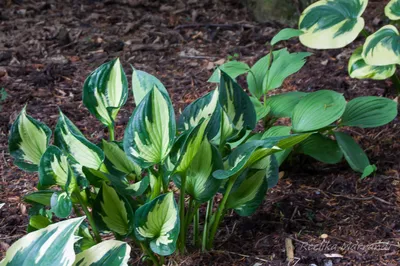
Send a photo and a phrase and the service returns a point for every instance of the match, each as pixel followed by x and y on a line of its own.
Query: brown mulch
pixel 48 48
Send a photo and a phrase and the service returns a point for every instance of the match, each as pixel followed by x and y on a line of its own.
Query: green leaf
pixel 158 222
pixel 117 161
pixel 54 169
pixel 322 149
pixel 382 48
pixel 61 204
pixel 285 35
pixel 38 222
pixel 318 110
pixel 236 104
pixel 87 240
pixel 55 243
pixel 282 105
pixel 353 153
pixel 200 184
pixel 369 111
pixel 392 10
pixel 261 109
pixel 28 141
pixel 43 197
pixel 105 91
pixel 246 197
pixel 331 24
pixel 232 68
pixel 279 131
pixel 150 133
pixel 111 211
pixel 283 65
pixel 107 253
pixel 360 70
pixel 370 169
pixel 143 83
pixel 70 140
pixel 201 108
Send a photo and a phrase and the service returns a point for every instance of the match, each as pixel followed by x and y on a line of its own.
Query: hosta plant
pixel 323 112
pixel 127 188
pixel 333 24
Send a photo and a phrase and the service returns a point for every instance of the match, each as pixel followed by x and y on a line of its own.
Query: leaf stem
pixel 206 224
pixel 111 132
pixel 220 211
pixel 182 213
pixel 89 217
pixel 365 33
pixel 196 231
pixel 150 254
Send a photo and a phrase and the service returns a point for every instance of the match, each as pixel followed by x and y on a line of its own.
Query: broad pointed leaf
pixel 317 110
pixel 232 68
pixel 28 141
pixel 282 105
pixel 142 83
pixel 331 24
pixel 322 149
pixel 117 161
pixel 42 197
pixel 285 35
pixel 106 253
pixel 392 10
pixel 279 131
pixel 37 222
pixel 158 223
pixel 61 204
pixel 105 91
pixel 150 133
pixel 54 243
pixel 382 48
pixel 359 69
pixel 70 139
pixel 369 111
pixel 111 211
pixel 261 109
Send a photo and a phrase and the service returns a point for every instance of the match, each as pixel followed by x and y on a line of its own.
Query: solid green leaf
pixel 232 68
pixel 105 91
pixel 106 253
pixel 382 47
pixel 322 149
pixel 158 222
pixel 42 197
pixel 331 24
pixel 61 204
pixel 353 153
pixel 111 211
pixel 369 111
pixel 117 161
pixel 285 35
pixel 392 10
pixel 317 110
pixel 359 69
pixel 28 141
pixel 150 133
pixel 143 83
pixel 261 109
pixel 55 243
pixel 68 138
pixel 370 169
pixel 282 105
pixel 38 222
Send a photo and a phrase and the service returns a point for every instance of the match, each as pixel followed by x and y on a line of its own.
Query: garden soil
pixel 325 212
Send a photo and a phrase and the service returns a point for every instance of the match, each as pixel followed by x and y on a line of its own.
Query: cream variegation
pixel 392 10
pixel 331 24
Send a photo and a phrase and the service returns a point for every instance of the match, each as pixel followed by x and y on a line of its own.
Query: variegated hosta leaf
pixel 236 104
pixel 191 146
pixel 383 47
pixel 68 137
pixel 198 110
pixel 252 186
pixel 28 141
pixel 53 244
pixel 111 211
pixel 117 161
pixel 105 91
pixel 200 184
pixel 279 131
pixel 251 152
pixel 142 83
pixel 106 253
pixel 360 70
pixel 150 133
pixel 392 10
pixel 61 204
pixel 331 24
pixel 54 169
pixel 158 222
